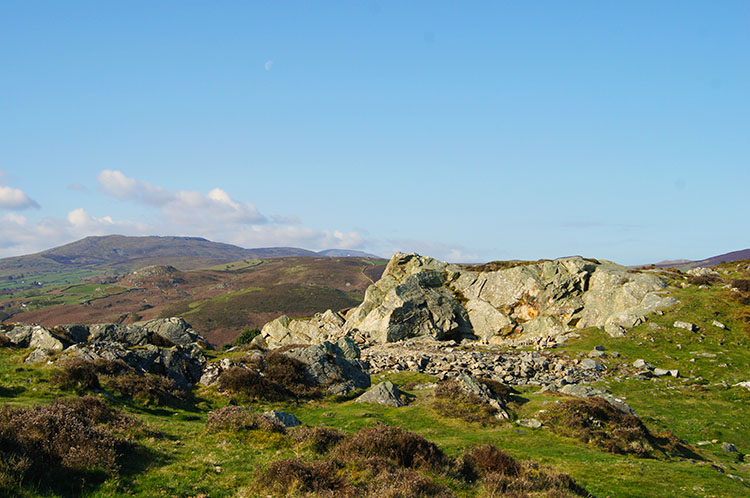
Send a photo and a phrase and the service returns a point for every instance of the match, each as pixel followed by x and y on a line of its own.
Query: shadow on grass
pixel 10 392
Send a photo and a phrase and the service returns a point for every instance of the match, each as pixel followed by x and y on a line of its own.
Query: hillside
pixel 712 261
pixel 661 410
pixel 219 301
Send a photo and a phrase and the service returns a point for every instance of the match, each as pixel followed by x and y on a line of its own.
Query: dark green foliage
pixel 452 401
pixel 246 336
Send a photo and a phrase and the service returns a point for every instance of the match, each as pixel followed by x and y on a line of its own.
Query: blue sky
pixel 467 131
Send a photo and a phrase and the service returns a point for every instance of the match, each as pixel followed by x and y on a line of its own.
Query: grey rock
pixel 285 331
pixel 43 339
pixel 38 355
pixel 660 372
pixel 600 348
pixel 471 386
pixel 640 363
pixel 589 364
pixel 615 330
pixel 211 374
pixel 327 365
pixel 685 325
pixel 597 354
pixel 674 373
pixel 718 324
pixel 20 335
pixel 531 423
pixel 654 326
pixel 728 447
pixel 745 384
pixel 129 335
pixel 386 393
pixel 283 418
pixel 175 330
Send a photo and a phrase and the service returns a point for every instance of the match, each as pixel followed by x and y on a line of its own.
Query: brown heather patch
pixel 595 421
pixel 147 388
pixel 394 444
pixel 240 419
pixel 449 400
pixel 320 439
pixel 75 374
pixel 64 442
pixel 294 476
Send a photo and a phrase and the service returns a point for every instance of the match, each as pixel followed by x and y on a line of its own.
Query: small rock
pixel 597 354
pixel 386 394
pixel 660 372
pixel 531 423
pixel 615 330
pixel 674 373
pixel 654 326
pixel 685 325
pixel 589 364
pixel 745 384
pixel 728 448
pixel 600 348
pixel 284 418
pixel 640 363
pixel 718 324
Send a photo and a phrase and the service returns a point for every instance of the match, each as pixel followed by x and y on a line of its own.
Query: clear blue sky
pixel 462 130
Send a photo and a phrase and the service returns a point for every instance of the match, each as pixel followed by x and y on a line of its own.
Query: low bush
pixel 289 374
pixel 596 421
pixel 320 439
pixel 75 374
pixel 481 461
pixel 5 342
pixel 703 279
pixel 249 383
pixel 63 442
pixel 742 284
pixel 394 444
pixel 451 401
pixel 240 419
pixel 404 483
pixel 147 388
pixel 294 476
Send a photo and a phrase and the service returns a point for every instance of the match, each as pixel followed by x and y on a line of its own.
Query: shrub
pixel 246 382
pixel 595 421
pixel 394 444
pixel 246 337
pixel 405 483
pixel 481 461
pixel 147 388
pixel 111 367
pixel 75 374
pixel 498 389
pixel 452 401
pixel 58 443
pixel 5 342
pixel 288 373
pixel 320 439
pixel 290 476
pixel 232 418
pixel 703 279
pixel 742 284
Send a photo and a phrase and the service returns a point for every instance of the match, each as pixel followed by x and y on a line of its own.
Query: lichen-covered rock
pixel 175 330
pixel 282 418
pixel 129 335
pixel 327 365
pixel 530 303
pixel 285 331
pixel 410 300
pixel 386 394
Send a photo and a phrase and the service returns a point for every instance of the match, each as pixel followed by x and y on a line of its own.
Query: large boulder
pixel 175 330
pixel 285 331
pixel 328 365
pixel 410 299
pixel 129 335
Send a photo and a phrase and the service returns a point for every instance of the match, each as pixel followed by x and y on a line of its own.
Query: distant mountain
pixel 118 254
pixel 346 253
pixel 712 261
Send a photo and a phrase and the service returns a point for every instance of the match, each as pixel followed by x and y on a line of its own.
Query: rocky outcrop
pixel 176 330
pixel 536 303
pixel 285 331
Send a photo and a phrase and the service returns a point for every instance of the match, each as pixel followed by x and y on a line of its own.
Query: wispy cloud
pixel 77 187
pixel 268 65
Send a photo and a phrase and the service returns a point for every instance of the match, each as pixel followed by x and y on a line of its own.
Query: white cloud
pixel 268 65
pixel 13 198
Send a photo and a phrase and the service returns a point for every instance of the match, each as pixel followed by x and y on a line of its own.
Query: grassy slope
pixel 190 461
